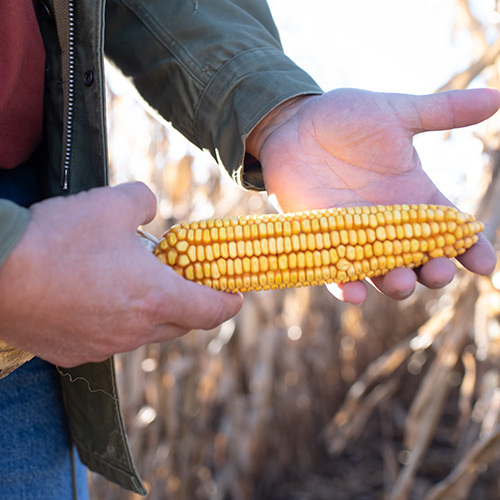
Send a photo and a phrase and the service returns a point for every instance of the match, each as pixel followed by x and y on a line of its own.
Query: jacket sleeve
pixel 13 222
pixel 213 68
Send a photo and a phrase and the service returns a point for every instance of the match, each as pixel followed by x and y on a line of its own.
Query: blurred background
pixel 300 397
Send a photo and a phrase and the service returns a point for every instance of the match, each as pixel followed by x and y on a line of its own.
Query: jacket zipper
pixel 71 95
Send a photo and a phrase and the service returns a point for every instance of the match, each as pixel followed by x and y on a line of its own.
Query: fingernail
pixel 400 295
pixel 442 284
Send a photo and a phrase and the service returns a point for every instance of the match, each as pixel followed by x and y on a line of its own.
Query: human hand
pixel 80 286
pixel 353 147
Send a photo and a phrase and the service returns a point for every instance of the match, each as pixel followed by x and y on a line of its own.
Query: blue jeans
pixel 37 460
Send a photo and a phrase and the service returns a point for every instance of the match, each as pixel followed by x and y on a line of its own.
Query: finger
pixel 437 273
pixel 137 202
pixel 398 284
pixel 199 306
pixel 354 293
pixel 447 110
pixel 481 258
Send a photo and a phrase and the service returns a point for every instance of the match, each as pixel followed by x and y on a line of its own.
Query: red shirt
pixel 22 61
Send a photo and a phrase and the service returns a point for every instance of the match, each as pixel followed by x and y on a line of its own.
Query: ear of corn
pixel 262 252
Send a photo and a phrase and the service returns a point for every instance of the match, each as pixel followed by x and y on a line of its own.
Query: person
pixel 76 284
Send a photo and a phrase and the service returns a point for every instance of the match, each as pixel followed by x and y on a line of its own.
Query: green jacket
pixel 213 68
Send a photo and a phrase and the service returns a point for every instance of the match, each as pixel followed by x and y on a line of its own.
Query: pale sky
pixel 387 45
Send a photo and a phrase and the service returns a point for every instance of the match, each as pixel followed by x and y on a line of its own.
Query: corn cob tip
pixel 261 252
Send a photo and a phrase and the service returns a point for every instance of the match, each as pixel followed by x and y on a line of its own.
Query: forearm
pixel 272 121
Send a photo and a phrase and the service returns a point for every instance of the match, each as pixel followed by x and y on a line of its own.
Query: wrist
pixel 272 121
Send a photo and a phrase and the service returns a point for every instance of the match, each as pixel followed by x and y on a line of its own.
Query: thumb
pixel 447 110
pixel 136 202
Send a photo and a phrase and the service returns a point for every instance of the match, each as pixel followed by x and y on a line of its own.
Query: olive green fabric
pixel 88 155
pixel 96 422
pixel 216 87
pixel 214 68
pixel 13 222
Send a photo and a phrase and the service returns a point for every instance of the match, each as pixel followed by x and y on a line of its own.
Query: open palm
pixel 353 147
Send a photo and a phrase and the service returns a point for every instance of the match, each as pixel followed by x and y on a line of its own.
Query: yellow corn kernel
pixel 263 263
pixel 232 249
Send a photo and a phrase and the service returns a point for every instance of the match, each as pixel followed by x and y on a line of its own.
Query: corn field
pixel 301 397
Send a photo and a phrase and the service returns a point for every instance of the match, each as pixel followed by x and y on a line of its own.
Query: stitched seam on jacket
pixel 118 415
pixel 235 79
pixel 109 465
